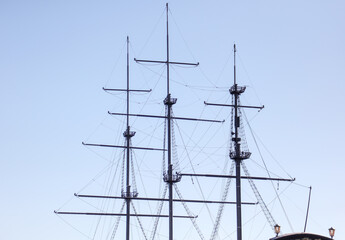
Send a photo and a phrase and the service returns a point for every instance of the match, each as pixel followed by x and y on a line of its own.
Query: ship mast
pixel 239 153
pixel 128 135
pixel 171 177
pixel 237 157
pixel 169 104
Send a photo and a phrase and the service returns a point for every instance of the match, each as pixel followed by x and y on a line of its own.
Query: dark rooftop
pixel 300 236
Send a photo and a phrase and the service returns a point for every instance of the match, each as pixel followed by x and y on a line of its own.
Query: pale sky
pixel 55 57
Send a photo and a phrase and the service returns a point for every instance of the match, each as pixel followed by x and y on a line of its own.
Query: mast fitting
pixel 237 89
pixel 169 100
pixel 129 195
pixel 128 134
pixel 174 177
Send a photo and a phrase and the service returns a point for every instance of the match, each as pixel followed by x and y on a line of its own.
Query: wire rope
pixel 116 63
pixel 272 156
pixel 151 33
pixel 142 73
pixel 197 180
pixel 73 227
pixel 255 136
pixel 188 211
pixel 117 222
pixel 249 220
pixel 138 219
pixel 268 173
pixel 251 82
pixel 141 178
pixel 190 52
pixel 200 188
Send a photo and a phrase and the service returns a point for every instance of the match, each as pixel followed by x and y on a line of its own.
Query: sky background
pixel 55 57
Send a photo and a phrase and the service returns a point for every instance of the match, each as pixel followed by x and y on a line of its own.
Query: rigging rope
pixel 116 225
pixel 154 87
pixel 221 205
pixel 76 229
pixel 197 180
pixel 232 130
pixel 255 136
pixel 134 183
pixel 159 210
pixel 189 213
pixel 141 178
pixel 268 173
pixel 190 52
pixel 104 206
pixel 250 219
pixel 141 226
pixel 164 164
pixel 263 205
pixel 123 171
pixel 116 63
pixel 176 164
pixel 153 30
pixel 244 144
pixel 251 82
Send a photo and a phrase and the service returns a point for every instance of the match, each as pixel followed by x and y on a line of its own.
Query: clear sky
pixel 55 57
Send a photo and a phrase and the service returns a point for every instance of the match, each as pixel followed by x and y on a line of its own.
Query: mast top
pixel 235 65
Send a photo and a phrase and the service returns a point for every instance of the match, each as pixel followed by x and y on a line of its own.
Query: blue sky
pixel 57 55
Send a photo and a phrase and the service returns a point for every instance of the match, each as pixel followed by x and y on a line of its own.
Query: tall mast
pixel 169 177
pixel 169 104
pixel 167 26
pixel 237 158
pixel 236 153
pixel 127 82
pixel 127 134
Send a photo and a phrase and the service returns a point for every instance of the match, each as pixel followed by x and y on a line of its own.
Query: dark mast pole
pixel 128 136
pixel 236 153
pixel 169 105
pixel 237 159
pixel 169 176
pixel 168 83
